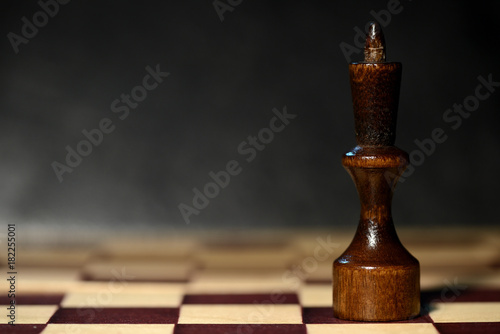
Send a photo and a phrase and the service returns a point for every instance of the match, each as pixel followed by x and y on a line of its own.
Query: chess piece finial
pixel 375 44
pixel 376 278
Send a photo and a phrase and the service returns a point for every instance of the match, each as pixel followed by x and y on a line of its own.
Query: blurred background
pixel 230 63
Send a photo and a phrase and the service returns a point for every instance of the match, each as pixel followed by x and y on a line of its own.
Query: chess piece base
pixel 375 293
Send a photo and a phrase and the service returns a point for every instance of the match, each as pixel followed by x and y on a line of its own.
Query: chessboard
pixel 243 283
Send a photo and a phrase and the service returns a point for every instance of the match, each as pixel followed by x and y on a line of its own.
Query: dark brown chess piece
pixel 376 278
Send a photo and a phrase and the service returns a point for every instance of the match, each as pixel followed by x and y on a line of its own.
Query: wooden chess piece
pixel 376 278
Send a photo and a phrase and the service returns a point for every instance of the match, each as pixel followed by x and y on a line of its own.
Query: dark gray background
pixel 225 79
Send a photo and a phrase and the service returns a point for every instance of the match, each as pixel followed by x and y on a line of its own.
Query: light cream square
pixel 244 281
pixel 29 314
pixel 109 299
pixel 316 295
pixel 247 258
pixel 240 314
pixel 465 312
pixel 108 329
pixel 407 328
pixel 140 270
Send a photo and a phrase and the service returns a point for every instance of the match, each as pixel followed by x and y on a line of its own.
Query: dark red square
pixel 242 328
pixel 447 295
pixel 115 316
pixel 21 329
pixel 469 328
pixel 34 299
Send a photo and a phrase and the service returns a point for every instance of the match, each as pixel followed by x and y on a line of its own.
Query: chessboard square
pixel 455 281
pixel 465 312
pixel 45 280
pixel 315 295
pixel 325 247
pixel 149 248
pixel 470 294
pixel 109 299
pixel 47 274
pixel 321 275
pixel 240 314
pixel 319 315
pixel 34 299
pixel 288 298
pixel 371 328
pixel 29 314
pixel 98 287
pixel 247 258
pixel 165 270
pixel 461 255
pixel 115 316
pixel 243 282
pixel 241 328
pixel 54 257
pixel 468 327
pixel 21 329
pixel 31 286
pixel 109 328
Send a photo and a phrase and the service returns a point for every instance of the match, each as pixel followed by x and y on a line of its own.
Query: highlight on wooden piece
pixel 376 278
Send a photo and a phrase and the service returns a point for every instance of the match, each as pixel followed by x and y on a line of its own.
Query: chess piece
pixel 376 278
